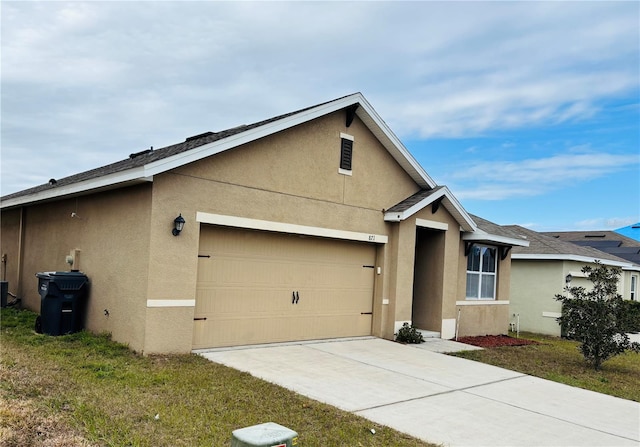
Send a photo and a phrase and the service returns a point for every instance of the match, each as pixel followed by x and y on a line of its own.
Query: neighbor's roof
pixel 141 167
pixel 544 247
pixel 608 241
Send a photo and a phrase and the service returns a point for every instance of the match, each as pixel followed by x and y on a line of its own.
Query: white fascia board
pixel 451 204
pixel 137 175
pixel 393 144
pixel 577 258
pixel 247 136
pixel 282 227
pixel 483 236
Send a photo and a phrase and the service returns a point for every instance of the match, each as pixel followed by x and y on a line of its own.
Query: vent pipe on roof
pixel 137 154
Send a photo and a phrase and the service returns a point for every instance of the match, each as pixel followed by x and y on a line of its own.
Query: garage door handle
pixel 293 297
pixel 297 297
pixel 200 319
pixel 366 313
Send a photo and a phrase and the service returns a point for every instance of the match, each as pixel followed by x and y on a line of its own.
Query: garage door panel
pixel 245 286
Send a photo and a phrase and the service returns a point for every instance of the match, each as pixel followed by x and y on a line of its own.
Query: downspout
pixel 457 323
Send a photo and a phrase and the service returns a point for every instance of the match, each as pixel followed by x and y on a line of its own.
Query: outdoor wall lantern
pixel 568 279
pixel 178 225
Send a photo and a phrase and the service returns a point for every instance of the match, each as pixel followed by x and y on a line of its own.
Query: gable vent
pixel 346 154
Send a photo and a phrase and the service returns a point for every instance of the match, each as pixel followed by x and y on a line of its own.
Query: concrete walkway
pixel 439 398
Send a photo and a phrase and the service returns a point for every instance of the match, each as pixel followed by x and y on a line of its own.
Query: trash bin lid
pixel 45 275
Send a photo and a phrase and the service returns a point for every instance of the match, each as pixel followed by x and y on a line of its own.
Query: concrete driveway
pixel 439 398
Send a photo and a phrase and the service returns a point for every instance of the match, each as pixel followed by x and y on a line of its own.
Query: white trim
pixel 398 324
pixel 481 302
pixel 345 171
pixel 281 227
pixel 483 236
pixel 551 314
pixel 577 258
pixel 448 328
pixel 171 303
pixel 347 136
pixel 423 223
pixel 450 203
pixel 364 111
pixel 110 181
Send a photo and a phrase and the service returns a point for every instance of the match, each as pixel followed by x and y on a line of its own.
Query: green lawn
pixel 84 390
pixel 560 360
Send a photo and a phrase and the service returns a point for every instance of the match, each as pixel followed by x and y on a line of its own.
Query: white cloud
pixel 498 180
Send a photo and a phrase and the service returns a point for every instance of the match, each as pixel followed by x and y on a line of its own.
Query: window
pixel 346 153
pixel 634 287
pixel 481 273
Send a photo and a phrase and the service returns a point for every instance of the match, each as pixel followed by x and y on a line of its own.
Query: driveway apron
pixel 439 398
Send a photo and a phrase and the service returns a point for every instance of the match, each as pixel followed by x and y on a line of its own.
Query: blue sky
pixel 528 111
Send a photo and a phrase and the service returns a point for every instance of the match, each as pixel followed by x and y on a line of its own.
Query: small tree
pixel 593 317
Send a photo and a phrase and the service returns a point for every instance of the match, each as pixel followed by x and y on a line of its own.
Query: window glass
pixel 481 273
pixel 488 259
pixel 473 260
pixel 473 281
pixel 488 286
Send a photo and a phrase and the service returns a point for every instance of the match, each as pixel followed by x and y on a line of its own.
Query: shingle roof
pixel 413 200
pixel 494 228
pixel 149 156
pixel 541 244
pixel 607 241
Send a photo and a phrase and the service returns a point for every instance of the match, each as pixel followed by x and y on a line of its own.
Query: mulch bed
pixel 496 341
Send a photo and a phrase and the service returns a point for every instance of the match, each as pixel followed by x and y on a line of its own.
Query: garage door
pixel 262 287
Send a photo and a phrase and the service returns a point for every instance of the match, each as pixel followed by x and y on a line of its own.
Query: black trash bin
pixel 62 302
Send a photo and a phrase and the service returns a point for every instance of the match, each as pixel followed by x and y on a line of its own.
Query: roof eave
pixel 451 204
pixel 365 112
pixel 571 257
pixel 111 181
pixel 482 236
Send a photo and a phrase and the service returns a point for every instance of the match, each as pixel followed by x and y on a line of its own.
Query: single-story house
pixel 314 224
pixel 543 270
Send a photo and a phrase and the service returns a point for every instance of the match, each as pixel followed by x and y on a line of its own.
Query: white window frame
pixel 633 288
pixel 482 274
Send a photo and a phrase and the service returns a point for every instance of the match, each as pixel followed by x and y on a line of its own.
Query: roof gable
pixel 143 166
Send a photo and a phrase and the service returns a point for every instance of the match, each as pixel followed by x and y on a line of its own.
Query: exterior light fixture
pixel 568 279
pixel 178 225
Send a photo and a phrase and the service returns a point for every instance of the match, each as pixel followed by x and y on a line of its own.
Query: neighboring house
pixel 610 242
pixel 314 224
pixel 631 231
pixel 543 270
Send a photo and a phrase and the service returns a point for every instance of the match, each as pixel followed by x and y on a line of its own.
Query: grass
pixel 560 360
pixel 85 390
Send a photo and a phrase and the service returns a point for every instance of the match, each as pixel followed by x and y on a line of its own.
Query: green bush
pixel 593 317
pixel 409 334
pixel 629 316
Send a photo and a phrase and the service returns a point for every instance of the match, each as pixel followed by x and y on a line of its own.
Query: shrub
pixel 629 316
pixel 594 317
pixel 409 334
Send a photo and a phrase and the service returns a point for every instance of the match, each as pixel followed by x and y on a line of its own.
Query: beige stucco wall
pixel 289 177
pixel 111 243
pixel 477 317
pixel 10 247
